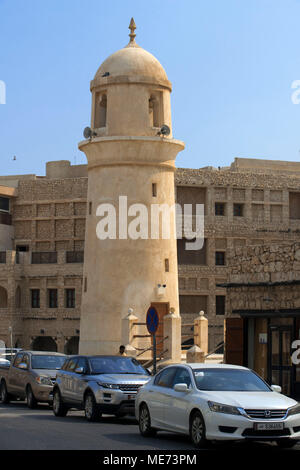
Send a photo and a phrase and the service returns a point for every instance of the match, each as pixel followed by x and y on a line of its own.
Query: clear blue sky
pixel 231 62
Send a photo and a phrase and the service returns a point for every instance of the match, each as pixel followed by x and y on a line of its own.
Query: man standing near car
pixel 122 350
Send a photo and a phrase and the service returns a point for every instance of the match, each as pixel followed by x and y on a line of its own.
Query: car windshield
pixel 229 380
pixel 116 365
pixel 47 362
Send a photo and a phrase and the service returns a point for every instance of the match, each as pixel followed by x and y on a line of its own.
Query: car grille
pixel 130 387
pixel 256 434
pixel 266 414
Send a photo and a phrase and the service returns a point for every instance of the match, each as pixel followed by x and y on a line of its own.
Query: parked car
pixel 217 402
pixel 7 354
pixel 98 384
pixel 30 375
pixel 4 362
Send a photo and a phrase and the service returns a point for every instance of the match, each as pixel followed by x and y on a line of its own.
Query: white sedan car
pixel 217 402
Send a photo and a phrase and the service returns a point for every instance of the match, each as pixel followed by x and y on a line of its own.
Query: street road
pixel 24 429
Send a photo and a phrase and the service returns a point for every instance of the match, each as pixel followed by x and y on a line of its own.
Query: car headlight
pixel 294 410
pixel 220 408
pixel 105 385
pixel 42 380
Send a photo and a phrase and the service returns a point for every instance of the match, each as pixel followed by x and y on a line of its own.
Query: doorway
pixel 280 367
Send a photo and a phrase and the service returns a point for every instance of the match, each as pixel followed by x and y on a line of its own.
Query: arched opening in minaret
pixel 155 114
pixel 102 110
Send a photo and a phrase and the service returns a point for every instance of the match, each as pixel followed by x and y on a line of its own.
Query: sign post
pixel 152 321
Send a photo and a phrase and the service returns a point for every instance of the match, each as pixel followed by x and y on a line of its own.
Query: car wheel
pixel 197 430
pixel 5 398
pixel 91 409
pixel 286 443
pixel 59 408
pixel 145 422
pixel 31 400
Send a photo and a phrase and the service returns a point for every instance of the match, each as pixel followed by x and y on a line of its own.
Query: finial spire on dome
pixel 132 34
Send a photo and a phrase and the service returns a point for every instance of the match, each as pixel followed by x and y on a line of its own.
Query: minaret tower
pixel 127 156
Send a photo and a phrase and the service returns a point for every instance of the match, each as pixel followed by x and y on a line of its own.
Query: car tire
pixel 30 398
pixel 91 409
pixel 286 443
pixel 59 408
pixel 198 431
pixel 145 422
pixel 4 396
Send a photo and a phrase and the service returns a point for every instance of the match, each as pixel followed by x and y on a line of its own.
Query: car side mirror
pixel 79 370
pixel 181 388
pixel 276 388
pixel 23 366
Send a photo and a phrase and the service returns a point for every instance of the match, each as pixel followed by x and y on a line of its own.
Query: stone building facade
pixel 252 203
pixel 263 312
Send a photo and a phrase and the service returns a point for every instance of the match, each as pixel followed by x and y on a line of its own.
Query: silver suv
pixel 98 384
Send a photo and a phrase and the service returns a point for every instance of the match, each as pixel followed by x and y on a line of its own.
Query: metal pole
pixel 11 339
pixel 154 354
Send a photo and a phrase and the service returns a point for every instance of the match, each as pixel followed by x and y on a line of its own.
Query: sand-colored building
pixel 42 233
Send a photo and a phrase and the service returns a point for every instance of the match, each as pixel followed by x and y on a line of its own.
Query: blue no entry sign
pixel 152 320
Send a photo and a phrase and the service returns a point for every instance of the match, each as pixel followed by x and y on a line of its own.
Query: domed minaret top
pixel 131 93
pixel 132 60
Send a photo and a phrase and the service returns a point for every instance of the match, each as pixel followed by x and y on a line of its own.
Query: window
pixel 70 298
pixel 26 360
pixel 220 304
pixel 195 257
pixel 182 376
pixel 5 218
pixel 238 210
pixel 50 362
pixel 35 298
pixel 22 248
pixel 294 201
pixel 167 265
pixel 4 204
pixel 155 113
pixel 52 298
pixel 44 257
pixel 191 195
pixel 229 380
pixel 165 378
pixel 102 110
pixel 74 257
pixel 193 303
pixel 18 360
pixel 71 364
pixel 154 190
pixel 220 258
pixel 65 364
pixel 82 362
pixel 90 208
pixel 219 208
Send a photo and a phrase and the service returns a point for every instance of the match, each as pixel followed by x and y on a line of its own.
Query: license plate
pixel 130 397
pixel 268 426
